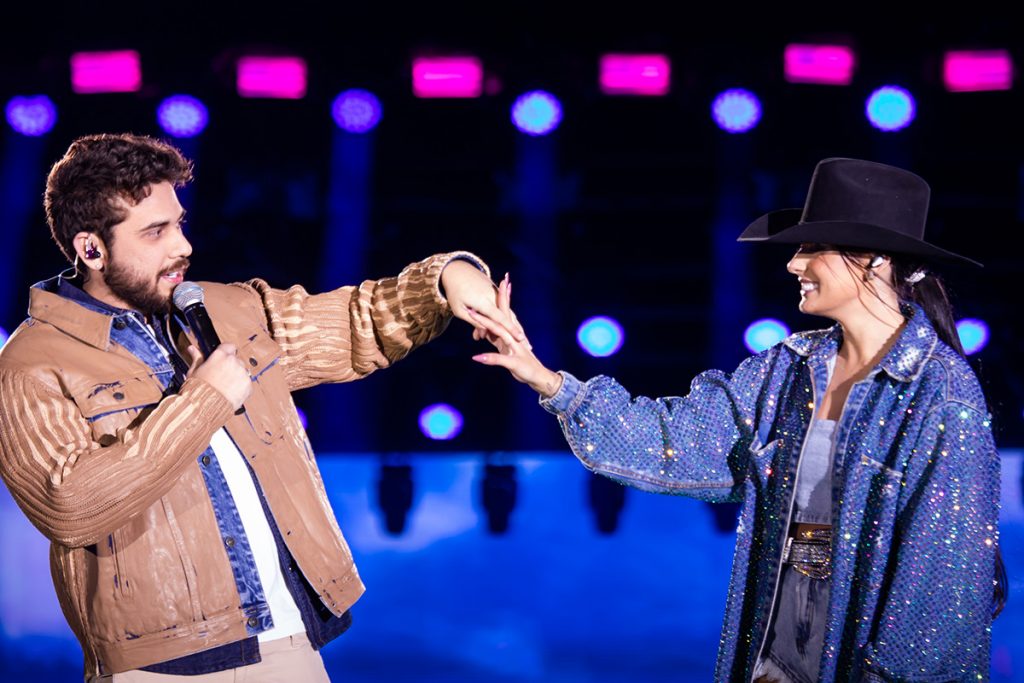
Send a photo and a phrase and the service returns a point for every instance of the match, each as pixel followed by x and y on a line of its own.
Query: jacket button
pixel 253 622
pixel 253 362
pixel 118 395
pixel 206 459
pixel 119 324
pixel 229 541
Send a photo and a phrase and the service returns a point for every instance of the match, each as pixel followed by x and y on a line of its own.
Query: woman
pixel 862 454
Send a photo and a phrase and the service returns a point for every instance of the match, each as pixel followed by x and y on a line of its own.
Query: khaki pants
pixel 285 660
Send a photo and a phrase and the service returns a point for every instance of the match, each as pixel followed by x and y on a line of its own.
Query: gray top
pixel 814 476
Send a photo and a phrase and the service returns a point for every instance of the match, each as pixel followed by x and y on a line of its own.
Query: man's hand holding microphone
pixel 222 368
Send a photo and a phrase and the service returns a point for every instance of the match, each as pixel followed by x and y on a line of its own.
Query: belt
pixel 809 549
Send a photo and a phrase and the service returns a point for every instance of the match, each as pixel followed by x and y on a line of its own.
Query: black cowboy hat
pixel 857 204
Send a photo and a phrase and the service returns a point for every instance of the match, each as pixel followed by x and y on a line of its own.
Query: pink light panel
pixel 272 77
pixel 967 71
pixel 635 74
pixel 447 77
pixel 822 64
pixel 96 72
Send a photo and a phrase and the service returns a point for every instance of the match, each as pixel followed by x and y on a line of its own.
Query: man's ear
pixel 90 251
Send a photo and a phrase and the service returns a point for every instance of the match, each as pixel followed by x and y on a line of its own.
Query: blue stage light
pixel 973 334
pixel 32 115
pixel 764 333
pixel 537 112
pixel 182 116
pixel 440 421
pixel 357 111
pixel 890 108
pixel 736 110
pixel 600 336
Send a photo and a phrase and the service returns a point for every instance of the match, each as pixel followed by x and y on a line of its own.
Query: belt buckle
pixel 814 571
pixel 822 535
pixel 817 544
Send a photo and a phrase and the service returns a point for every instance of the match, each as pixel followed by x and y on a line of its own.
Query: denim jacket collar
pixel 63 304
pixel 904 360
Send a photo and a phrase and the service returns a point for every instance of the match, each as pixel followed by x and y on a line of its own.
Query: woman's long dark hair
pixel 929 292
pixel 913 281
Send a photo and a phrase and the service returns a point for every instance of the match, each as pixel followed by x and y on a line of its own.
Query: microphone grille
pixel 187 294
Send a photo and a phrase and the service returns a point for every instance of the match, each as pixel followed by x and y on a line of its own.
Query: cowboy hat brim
pixel 784 227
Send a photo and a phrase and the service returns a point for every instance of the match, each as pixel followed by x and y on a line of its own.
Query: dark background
pixel 629 209
pixel 637 188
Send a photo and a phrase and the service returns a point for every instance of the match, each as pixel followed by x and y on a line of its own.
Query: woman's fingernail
pixel 481 358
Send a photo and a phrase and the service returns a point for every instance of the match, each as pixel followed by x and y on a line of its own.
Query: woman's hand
pixel 514 355
pixel 469 290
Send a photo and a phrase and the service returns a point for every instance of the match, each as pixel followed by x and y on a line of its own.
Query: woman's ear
pixel 876 262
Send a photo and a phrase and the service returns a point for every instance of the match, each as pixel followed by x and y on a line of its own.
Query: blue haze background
pixel 551 600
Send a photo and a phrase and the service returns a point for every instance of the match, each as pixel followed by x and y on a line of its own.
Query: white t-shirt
pixel 283 610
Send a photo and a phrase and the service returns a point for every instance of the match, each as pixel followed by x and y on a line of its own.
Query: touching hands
pixel 473 298
pixel 515 355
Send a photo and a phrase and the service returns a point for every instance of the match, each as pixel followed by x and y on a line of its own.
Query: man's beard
pixel 139 292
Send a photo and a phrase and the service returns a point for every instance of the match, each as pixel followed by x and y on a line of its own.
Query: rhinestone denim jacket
pixel 915 494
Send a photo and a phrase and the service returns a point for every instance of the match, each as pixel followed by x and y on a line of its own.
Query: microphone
pixel 188 298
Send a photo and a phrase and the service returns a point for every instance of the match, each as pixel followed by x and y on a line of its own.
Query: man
pixel 190 530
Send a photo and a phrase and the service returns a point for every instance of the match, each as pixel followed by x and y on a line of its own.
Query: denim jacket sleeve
pixel 935 619
pixel 695 445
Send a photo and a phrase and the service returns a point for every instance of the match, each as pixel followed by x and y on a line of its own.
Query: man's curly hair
pixel 83 188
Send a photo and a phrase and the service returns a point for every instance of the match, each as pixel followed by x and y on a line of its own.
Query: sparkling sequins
pixel 915 478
